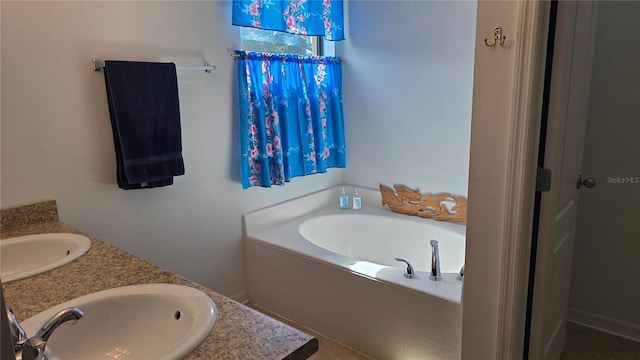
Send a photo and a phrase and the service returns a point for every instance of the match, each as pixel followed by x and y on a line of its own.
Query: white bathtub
pixel 379 239
pixel 334 271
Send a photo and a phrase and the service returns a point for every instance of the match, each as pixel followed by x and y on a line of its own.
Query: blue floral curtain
pixel 291 121
pixel 300 17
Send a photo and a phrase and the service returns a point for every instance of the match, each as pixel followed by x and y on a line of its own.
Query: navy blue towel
pixel 145 118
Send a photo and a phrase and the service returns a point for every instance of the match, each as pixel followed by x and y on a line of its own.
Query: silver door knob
pixel 587 182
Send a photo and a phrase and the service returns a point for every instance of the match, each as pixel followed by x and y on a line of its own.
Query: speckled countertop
pixel 239 332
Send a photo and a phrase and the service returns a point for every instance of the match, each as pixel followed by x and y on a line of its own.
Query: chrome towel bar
pixel 98 65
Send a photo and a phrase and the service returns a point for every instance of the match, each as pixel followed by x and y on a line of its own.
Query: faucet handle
pixel 34 349
pixel 16 331
pixel 410 274
pixel 460 276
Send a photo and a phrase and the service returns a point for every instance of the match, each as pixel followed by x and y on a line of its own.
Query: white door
pixel 603 295
pixel 569 94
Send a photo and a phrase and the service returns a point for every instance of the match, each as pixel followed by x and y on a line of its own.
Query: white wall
pixel 57 142
pixel 407 99
pixel 607 246
pixel 408 77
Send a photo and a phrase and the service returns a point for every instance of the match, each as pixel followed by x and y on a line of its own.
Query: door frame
pixel 531 63
pixel 574 46
pixel 507 103
pixel 494 327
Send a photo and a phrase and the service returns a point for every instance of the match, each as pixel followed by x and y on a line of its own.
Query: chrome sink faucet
pixel 33 348
pixel 435 262
pixel 18 336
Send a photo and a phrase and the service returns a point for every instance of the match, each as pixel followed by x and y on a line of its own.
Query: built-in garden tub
pixel 335 272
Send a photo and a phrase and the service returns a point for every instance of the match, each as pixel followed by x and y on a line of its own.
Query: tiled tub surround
pixel 386 318
pixel 239 332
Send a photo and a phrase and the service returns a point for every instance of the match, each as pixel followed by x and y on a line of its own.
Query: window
pixel 290 107
pixel 277 42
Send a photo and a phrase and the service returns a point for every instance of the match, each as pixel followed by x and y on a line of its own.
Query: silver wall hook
pixel 498 38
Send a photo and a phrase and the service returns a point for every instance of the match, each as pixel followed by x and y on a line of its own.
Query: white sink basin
pixel 25 256
pixel 150 321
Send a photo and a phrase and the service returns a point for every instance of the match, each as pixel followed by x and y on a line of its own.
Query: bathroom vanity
pixel 239 332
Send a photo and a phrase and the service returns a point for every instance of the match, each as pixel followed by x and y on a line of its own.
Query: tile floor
pixel 582 343
pixel 328 349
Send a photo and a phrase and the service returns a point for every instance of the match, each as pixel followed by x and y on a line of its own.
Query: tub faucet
pixel 410 274
pixel 460 276
pixel 34 347
pixel 435 262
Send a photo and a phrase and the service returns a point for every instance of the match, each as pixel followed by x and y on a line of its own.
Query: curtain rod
pixel 98 65
pixel 237 56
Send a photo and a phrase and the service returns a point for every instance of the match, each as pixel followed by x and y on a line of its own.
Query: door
pixel 604 293
pixel 568 97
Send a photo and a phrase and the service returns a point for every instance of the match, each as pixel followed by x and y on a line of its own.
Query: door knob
pixel 587 182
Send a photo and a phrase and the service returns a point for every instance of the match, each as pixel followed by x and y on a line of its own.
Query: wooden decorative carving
pixel 404 200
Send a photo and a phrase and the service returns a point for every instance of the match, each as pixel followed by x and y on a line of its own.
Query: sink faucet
pixel 435 262
pixel 18 336
pixel 34 348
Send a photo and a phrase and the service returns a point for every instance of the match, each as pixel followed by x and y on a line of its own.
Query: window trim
pixel 317 45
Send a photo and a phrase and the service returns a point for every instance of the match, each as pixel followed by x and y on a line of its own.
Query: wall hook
pixel 498 38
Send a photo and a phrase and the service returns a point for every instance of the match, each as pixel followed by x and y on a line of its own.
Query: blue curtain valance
pixel 291 121
pixel 300 17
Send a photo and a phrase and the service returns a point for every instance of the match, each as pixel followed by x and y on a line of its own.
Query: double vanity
pixel 137 309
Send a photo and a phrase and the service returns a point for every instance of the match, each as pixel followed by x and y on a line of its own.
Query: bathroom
pixel 67 142
pixel 57 143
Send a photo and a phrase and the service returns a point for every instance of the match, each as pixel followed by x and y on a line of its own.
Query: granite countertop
pixel 239 333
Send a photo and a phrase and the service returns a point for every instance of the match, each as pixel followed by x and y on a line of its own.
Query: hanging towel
pixel 145 118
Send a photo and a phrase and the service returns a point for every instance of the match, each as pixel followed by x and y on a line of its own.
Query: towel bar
pixel 98 65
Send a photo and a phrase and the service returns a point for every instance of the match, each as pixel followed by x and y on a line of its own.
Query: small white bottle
pixel 344 200
pixel 357 201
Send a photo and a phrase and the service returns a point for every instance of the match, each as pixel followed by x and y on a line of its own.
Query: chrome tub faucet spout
pixel 34 347
pixel 435 262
